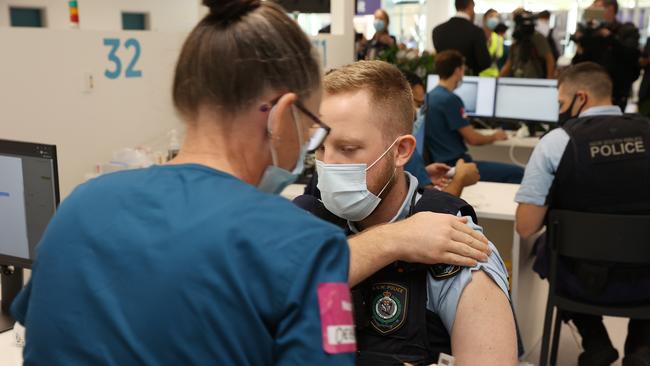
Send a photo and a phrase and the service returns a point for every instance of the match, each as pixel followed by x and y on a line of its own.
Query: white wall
pixel 106 15
pixel 43 72
pixel 42 97
pixel 438 12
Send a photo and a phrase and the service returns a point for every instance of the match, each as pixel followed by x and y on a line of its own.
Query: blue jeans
pixel 499 172
pixel 491 171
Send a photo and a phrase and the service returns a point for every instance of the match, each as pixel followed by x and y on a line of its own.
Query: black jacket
pixel 618 54
pixel 461 35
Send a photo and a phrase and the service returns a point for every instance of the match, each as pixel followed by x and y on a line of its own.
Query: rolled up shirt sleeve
pixel 444 295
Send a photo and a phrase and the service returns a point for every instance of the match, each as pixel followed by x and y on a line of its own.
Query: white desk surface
pixel 523 142
pixel 293 191
pixel 526 142
pixel 10 353
pixel 490 200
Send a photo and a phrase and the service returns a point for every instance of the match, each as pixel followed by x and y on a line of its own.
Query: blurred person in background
pixel 501 30
pixel 544 28
pixel 382 40
pixel 495 42
pixel 459 33
pixel 530 56
pixel 602 39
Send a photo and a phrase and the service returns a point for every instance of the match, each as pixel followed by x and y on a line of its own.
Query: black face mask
pixel 565 116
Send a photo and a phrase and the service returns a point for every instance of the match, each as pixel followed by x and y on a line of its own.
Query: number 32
pixel 130 72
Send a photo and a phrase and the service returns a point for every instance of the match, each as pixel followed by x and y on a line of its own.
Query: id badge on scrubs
pixel 337 323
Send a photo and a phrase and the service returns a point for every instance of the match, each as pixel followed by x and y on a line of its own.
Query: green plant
pixel 410 60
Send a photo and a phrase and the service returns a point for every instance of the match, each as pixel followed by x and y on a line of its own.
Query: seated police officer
pixel 597 162
pixel 447 128
pixel 405 312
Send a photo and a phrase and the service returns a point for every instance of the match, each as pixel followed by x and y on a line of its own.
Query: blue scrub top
pixel 445 115
pixel 180 265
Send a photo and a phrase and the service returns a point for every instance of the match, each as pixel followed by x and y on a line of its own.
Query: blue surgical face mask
pixel 344 190
pixel 380 25
pixel 276 179
pixel 492 23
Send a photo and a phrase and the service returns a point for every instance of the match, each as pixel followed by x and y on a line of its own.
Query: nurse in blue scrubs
pixel 199 262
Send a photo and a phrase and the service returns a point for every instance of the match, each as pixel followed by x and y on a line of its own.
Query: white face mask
pixel 344 189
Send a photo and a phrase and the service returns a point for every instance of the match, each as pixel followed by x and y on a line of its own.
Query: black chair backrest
pixel 600 237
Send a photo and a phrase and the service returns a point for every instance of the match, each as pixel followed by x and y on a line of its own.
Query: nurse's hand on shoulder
pixel 432 238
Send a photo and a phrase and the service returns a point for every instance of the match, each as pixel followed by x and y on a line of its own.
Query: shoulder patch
pixel 444 271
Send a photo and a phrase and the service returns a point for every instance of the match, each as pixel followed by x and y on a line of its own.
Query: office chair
pixel 595 237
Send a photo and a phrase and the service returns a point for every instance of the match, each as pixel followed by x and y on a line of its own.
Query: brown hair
pixel 447 62
pixel 390 93
pixel 587 76
pixel 239 51
pixel 385 14
pixel 488 13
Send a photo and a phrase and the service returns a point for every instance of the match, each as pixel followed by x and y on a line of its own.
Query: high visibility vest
pixel 495 49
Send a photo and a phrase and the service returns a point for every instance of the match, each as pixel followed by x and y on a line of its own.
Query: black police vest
pixel 605 167
pixel 393 325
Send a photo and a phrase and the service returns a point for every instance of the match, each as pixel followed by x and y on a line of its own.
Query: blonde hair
pixel 390 93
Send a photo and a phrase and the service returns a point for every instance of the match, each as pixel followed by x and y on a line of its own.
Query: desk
pixel 522 148
pixel 10 353
pixel 495 207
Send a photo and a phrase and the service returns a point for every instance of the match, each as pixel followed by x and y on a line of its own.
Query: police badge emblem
pixel 444 271
pixel 389 307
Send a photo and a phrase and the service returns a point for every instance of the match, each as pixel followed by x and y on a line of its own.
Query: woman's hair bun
pixel 228 10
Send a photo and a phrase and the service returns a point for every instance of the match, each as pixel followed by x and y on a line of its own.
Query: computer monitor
pixel 29 195
pixel 527 100
pixel 477 94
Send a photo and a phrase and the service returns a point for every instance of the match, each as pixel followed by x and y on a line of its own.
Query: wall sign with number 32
pixel 116 71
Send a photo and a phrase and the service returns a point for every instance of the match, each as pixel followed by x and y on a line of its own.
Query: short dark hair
pixel 412 78
pixel 489 12
pixel 463 4
pixel 447 62
pixel 544 15
pixel 587 76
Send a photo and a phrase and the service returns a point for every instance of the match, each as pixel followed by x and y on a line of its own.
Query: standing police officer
pixel 597 162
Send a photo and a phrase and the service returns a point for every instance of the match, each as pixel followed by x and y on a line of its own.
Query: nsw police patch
pixel 389 307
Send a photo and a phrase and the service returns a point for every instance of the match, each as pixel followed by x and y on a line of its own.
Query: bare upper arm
pixel 484 331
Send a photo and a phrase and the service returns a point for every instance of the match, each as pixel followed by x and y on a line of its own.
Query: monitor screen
pixel 477 94
pixel 527 100
pixel 29 194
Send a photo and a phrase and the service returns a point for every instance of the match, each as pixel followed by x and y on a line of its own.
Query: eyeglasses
pixel 318 131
